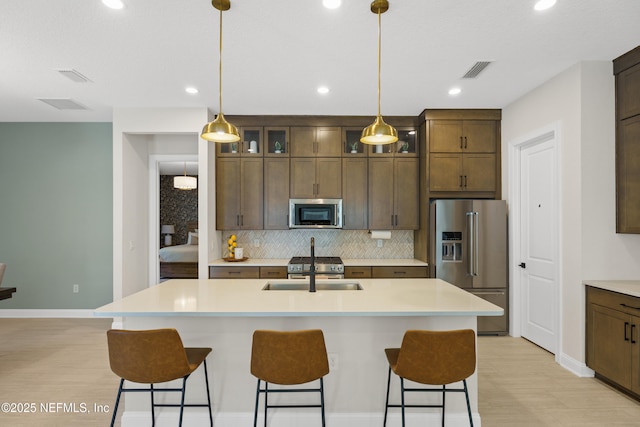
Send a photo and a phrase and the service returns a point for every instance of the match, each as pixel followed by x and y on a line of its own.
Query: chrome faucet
pixel 312 268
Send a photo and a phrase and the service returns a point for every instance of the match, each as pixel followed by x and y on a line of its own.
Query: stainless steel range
pixel 327 267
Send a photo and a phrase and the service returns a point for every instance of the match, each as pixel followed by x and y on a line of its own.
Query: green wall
pixel 56 214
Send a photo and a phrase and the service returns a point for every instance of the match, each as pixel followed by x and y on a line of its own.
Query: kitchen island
pixel 358 325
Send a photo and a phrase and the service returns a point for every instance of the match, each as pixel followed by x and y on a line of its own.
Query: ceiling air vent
pixel 63 103
pixel 477 68
pixel 74 75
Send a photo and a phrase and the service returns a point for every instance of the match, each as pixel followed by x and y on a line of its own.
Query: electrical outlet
pixel 380 243
pixel 76 289
pixel 333 361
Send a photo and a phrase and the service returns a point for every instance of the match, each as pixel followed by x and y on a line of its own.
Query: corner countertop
pixel 348 262
pixel 245 298
pixel 627 287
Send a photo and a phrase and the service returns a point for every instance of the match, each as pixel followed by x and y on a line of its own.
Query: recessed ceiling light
pixel 454 91
pixel 191 90
pixel 323 90
pixel 544 4
pixel 331 4
pixel 113 4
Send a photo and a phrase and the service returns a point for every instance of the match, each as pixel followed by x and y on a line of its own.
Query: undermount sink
pixel 304 286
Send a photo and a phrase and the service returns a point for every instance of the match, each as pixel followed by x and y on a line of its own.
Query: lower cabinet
pixel 244 272
pixel 613 337
pixel 385 272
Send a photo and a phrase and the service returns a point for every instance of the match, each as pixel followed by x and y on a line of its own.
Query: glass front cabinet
pixel 406 146
pixel 250 144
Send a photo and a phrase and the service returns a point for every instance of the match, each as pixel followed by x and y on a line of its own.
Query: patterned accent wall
pixel 177 207
pixel 352 244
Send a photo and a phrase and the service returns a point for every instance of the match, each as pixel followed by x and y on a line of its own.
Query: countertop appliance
pixel 326 267
pixel 315 213
pixel 468 248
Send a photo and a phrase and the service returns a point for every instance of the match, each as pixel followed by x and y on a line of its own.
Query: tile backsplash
pixel 342 243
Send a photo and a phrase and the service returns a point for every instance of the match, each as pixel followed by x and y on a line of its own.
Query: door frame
pixel 550 132
pixel 154 208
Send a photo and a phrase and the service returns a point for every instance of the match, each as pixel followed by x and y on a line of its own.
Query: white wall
pixel 580 100
pixel 137 133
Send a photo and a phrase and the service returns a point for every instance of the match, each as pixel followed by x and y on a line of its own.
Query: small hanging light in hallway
pixel 185 182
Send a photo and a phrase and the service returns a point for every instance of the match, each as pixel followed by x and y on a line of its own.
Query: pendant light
pixel 379 132
pixel 185 182
pixel 220 130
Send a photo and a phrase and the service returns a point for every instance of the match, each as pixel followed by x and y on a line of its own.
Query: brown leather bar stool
pixel 151 357
pixel 434 358
pixel 288 358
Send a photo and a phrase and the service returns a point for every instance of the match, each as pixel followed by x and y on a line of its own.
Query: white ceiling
pixel 178 168
pixel 277 52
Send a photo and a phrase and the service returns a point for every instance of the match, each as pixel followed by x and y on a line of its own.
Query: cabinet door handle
pixel 465 181
pixel 465 142
pixel 241 220
pixel 460 181
pixel 461 143
pixel 237 220
pixel 626 327
pixel 633 328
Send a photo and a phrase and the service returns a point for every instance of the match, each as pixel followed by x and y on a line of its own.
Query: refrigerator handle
pixel 472 253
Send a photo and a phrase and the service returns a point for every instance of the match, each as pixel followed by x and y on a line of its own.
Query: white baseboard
pixel 578 368
pixel 295 419
pixel 45 313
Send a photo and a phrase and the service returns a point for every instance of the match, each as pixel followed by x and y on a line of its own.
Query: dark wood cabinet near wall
pixel 239 193
pixel 613 338
pixel 627 76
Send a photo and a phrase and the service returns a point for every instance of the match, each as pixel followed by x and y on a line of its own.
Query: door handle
pixel 633 328
pixel 626 327
pixel 522 265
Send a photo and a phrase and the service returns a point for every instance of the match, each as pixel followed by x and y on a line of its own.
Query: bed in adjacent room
pixel 181 261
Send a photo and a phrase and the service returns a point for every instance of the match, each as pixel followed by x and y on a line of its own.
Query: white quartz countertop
pixel 348 262
pixel 245 297
pixel 628 287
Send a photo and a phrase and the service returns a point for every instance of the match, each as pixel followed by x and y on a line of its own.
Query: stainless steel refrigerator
pixel 468 248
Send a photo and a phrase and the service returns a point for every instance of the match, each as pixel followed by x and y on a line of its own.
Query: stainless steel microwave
pixel 315 213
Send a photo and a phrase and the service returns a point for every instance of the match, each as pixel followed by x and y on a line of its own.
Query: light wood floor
pixel 58 361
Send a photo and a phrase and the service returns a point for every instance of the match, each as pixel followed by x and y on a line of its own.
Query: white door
pixel 538 242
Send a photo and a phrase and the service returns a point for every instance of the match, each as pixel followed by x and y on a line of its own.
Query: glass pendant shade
pixel 378 133
pixel 185 182
pixel 220 130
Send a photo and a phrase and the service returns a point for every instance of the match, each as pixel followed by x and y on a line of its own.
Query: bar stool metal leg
pixel 466 395
pixel 266 401
pixel 115 408
pixel 184 383
pixel 402 398
pixel 444 393
pixel 322 401
pixel 206 379
pixel 255 411
pixel 386 406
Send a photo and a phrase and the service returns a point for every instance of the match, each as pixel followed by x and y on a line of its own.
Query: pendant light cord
pixel 379 56
pixel 220 65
